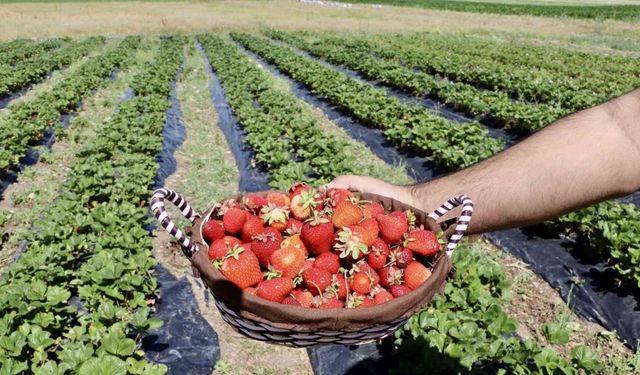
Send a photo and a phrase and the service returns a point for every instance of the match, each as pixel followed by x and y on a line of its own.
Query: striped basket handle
pixel 157 207
pixel 463 221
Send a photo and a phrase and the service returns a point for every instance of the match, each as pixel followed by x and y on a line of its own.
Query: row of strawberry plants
pixel 496 105
pixel 524 83
pixel 80 296
pixel 285 136
pixel 451 145
pixel 36 68
pixel 27 122
pixel 28 49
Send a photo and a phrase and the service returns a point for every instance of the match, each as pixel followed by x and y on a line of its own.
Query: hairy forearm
pixel 581 159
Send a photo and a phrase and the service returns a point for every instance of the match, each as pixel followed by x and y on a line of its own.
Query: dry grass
pixel 80 19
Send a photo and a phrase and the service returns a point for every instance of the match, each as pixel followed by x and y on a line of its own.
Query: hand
pixel 372 185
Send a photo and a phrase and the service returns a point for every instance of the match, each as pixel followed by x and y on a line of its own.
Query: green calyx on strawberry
pixel 275 216
pixel 350 243
pixel 303 203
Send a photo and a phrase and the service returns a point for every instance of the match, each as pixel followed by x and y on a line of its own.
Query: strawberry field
pixel 89 127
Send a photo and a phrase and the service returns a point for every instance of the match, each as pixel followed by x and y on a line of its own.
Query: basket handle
pixel 157 207
pixel 463 220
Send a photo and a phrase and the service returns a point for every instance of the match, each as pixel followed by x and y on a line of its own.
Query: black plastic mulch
pixel 185 343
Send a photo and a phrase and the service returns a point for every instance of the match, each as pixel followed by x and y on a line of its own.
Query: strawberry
pixel 378 254
pixel 371 230
pixel 366 268
pixel 233 220
pixel 295 241
pixel 302 204
pixel 382 296
pixel 275 216
pixel 241 267
pixel 338 288
pixel 220 247
pixel 212 230
pixel 401 257
pixel 250 290
pixel 361 282
pixel 317 235
pixel 275 289
pixel 278 199
pixel 226 205
pixel 252 226
pixel 304 297
pixel 297 188
pixel 423 242
pixel 288 260
pixel 350 243
pixel 358 300
pixel 336 196
pixel 266 243
pixel 254 202
pixel 331 303
pixel 289 300
pixel 390 275
pixel 346 214
pixel 316 280
pixel 293 226
pixel 329 262
pixel 399 290
pixel 392 227
pixel 372 210
pixel 416 274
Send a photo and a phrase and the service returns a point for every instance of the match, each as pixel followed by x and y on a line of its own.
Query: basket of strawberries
pixel 308 267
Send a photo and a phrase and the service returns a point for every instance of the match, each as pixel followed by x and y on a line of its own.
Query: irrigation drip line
pixel 185 343
pixel 595 294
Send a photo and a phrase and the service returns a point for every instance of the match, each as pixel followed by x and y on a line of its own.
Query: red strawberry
pixel 370 231
pixel 366 268
pixel 361 282
pixel 241 267
pixel 250 290
pixel 329 262
pixel 399 290
pixel 288 260
pixel 278 199
pixel 304 297
pixel 401 257
pixel 390 275
pixel 289 300
pixel 266 243
pixel 302 204
pixel 212 230
pixel 373 209
pixel 317 235
pixel 254 202
pixel 297 188
pixel 275 289
pixel 346 214
pixel 337 196
pixel 252 226
pixel 350 243
pixel 392 227
pixel 308 263
pixel 316 280
pixel 338 288
pixel 233 220
pixel 359 300
pixel 295 241
pixel 293 226
pixel 220 247
pixel 423 242
pixel 226 205
pixel 378 254
pixel 331 303
pixel 382 296
pixel 415 275
pixel 275 216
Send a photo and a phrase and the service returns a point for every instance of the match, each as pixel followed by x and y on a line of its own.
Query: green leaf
pixel 555 334
pixel 104 365
pixel 39 339
pixel 585 358
pixel 116 344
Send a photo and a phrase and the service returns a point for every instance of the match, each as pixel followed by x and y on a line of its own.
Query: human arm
pixel 589 156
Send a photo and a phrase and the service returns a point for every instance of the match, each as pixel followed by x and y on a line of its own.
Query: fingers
pixel 345 182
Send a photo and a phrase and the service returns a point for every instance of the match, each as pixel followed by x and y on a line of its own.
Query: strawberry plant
pixel 24 49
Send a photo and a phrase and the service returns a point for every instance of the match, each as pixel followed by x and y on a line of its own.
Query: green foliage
pixel 452 146
pixel 78 298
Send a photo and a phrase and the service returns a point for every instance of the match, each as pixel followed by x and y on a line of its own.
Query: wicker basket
pixel 297 326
